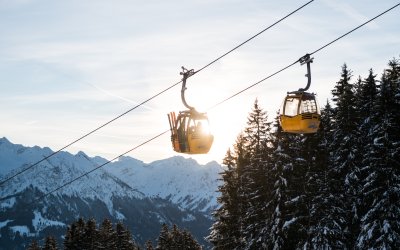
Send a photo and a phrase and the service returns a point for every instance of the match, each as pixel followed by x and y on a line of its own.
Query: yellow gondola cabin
pixel 190 131
pixel 300 113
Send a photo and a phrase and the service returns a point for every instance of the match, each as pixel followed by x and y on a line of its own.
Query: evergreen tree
pixel 344 164
pixel 81 235
pixel 276 239
pixel 176 239
pixel 163 241
pixel 18 240
pixel 241 161
pixel 50 243
pixel 80 232
pixel 124 238
pixel 257 131
pixel 290 213
pixel 320 228
pixel 90 235
pixel 257 182
pixel 68 240
pixel 380 227
pixel 247 187
pixel 34 245
pixel 366 98
pixel 189 241
pixel 74 239
pixel 107 236
pixel 225 232
pixel 149 245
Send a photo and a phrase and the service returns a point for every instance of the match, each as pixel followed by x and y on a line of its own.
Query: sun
pixel 225 126
pixel 226 120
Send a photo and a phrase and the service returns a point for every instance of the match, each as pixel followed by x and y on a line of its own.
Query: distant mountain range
pixel 143 196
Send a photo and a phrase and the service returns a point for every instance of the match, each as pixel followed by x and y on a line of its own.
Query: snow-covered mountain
pixel 182 181
pixel 173 191
pixel 59 169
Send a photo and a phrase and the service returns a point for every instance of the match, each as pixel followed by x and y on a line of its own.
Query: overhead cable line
pixel 219 103
pixel 356 28
pixel 251 38
pixel 151 98
pixel 314 52
pixel 86 135
pixel 254 84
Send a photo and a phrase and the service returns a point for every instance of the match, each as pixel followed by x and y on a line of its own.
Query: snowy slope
pixel 13 156
pixel 144 196
pixel 182 181
pixel 57 170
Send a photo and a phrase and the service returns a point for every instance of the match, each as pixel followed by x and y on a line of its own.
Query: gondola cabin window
pixel 309 105
pixel 291 106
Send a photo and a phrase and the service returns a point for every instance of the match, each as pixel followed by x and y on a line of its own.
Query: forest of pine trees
pixel 336 189
pixel 83 235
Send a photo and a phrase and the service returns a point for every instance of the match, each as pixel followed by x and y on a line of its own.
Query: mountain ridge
pixel 175 190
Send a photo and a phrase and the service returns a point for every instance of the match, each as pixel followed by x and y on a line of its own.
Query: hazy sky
pixel 66 67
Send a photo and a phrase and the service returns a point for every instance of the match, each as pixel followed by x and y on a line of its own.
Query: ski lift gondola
pixel 300 113
pixel 190 133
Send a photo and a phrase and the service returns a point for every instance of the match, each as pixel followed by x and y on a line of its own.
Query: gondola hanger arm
pixel 186 74
pixel 306 60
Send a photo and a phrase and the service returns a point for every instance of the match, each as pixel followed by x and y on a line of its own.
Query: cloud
pixel 351 12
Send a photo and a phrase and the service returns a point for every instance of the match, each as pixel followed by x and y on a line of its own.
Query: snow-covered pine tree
pixel 380 225
pixel 319 189
pixel 176 239
pixel 34 245
pixel 69 237
pixel 149 245
pixel 85 235
pixel 241 161
pixel 344 164
pixel 107 236
pixel 124 238
pixel 74 238
pixel 90 234
pixel 189 241
pixel 257 131
pixel 163 241
pixel 366 95
pixel 290 215
pixel 257 186
pixel 50 243
pixel 225 232
pixel 80 232
pixel 276 239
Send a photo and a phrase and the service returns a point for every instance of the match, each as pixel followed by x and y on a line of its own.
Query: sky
pixel 67 67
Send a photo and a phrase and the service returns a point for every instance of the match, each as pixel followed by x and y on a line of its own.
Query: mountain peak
pixel 4 140
pixel 81 153
pixel 129 159
pixel 178 161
